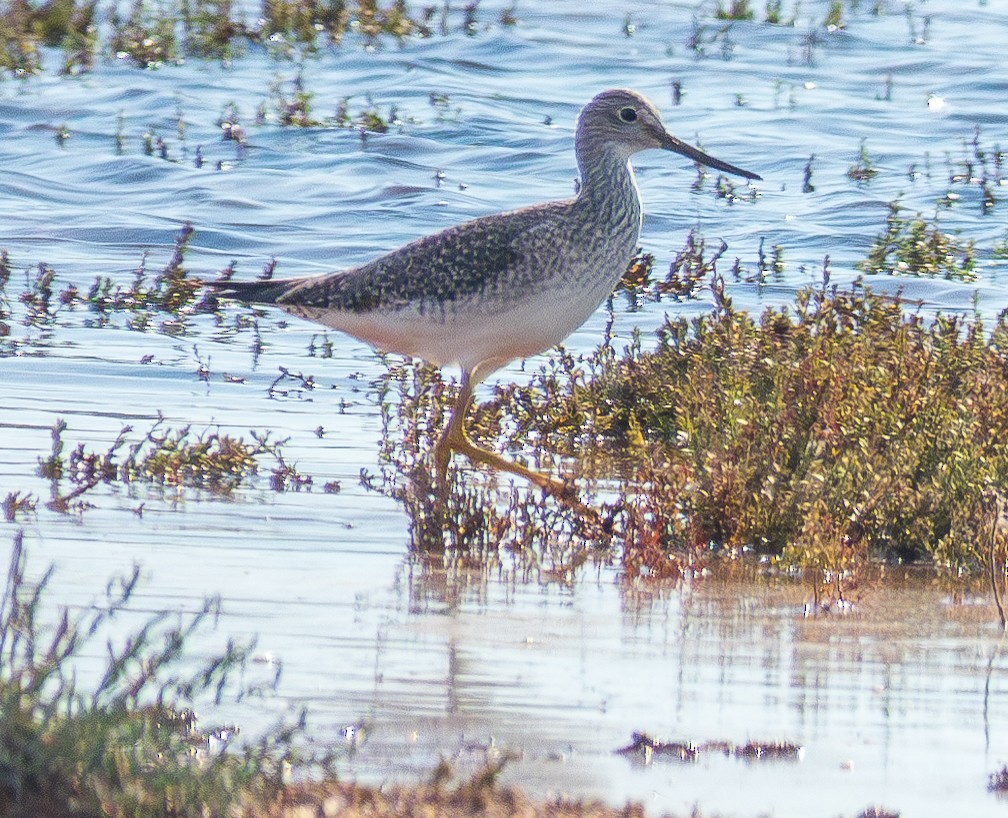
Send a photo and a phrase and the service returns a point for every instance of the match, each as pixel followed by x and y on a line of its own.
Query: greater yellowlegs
pixel 501 287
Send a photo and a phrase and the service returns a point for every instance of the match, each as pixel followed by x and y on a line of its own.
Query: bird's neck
pixel 609 190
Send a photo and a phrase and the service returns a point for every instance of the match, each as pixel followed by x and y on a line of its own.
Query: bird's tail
pixel 258 291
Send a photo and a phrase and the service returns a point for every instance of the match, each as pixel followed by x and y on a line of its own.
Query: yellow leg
pixel 454 439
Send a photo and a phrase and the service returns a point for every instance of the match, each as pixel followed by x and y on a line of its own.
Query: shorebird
pixel 503 286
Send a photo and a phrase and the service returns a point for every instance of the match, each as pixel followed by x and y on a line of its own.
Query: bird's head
pixel 626 122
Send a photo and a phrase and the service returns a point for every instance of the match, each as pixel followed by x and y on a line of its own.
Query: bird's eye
pixel 628 114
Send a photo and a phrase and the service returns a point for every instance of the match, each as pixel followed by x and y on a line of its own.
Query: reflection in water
pixel 893 703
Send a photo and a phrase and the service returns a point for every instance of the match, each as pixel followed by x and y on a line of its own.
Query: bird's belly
pixel 467 334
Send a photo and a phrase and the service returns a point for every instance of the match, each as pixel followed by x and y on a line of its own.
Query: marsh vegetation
pixel 844 428
pixel 847 428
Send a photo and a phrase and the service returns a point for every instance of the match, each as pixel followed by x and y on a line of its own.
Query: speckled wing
pixel 485 261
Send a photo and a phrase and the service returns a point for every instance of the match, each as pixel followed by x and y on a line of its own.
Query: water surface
pixel 901 702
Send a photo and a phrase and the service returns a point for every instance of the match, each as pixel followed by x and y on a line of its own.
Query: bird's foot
pixel 563 491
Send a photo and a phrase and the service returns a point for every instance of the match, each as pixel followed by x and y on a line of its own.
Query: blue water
pixel 438 665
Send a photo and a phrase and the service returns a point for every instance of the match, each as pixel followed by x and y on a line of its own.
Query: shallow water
pixel 901 703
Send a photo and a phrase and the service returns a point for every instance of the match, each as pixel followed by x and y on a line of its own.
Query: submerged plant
pixel 176 458
pixel 686 277
pixel 292 103
pixel 980 168
pixel 834 17
pixel 736 10
pixel 864 170
pixel 807 186
pixel 170 294
pixel 1000 248
pixel 127 742
pixel 155 33
pixel 79 38
pixel 38 298
pixel 163 301
pixel 211 29
pixel 19 45
pixel 147 36
pixel 914 247
pixel 16 503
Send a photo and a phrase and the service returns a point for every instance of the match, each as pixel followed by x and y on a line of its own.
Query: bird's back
pixel 471 266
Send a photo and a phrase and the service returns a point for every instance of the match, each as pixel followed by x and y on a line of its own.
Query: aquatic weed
pixel 373 21
pixel 294 107
pixel 834 17
pixel 38 298
pixel 809 43
pixel 877 812
pixel 371 120
pixel 886 94
pixel 85 470
pixel 636 280
pixel 702 37
pixel 649 748
pixel 171 294
pixel 77 35
pixel 173 289
pixel 657 540
pixel 230 125
pixel 213 461
pixel 288 27
pixel 807 186
pixel 16 503
pixel 300 22
pixel 302 384
pixel 915 247
pixel 211 30
pixel 691 267
pixel 686 276
pixel 5 271
pixel 153 34
pixel 470 24
pixel 147 36
pixel 479 794
pixel 999 250
pixel 921 35
pixel 509 16
pixel 736 10
pixel 5 311
pixel 177 458
pixel 284 476
pixel 767 266
pixel 367 120
pixel 128 743
pixel 979 168
pixel 24 27
pixel 864 170
pixel 19 47
pixel 998 782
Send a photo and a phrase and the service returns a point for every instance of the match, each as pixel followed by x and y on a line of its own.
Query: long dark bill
pixel 670 143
